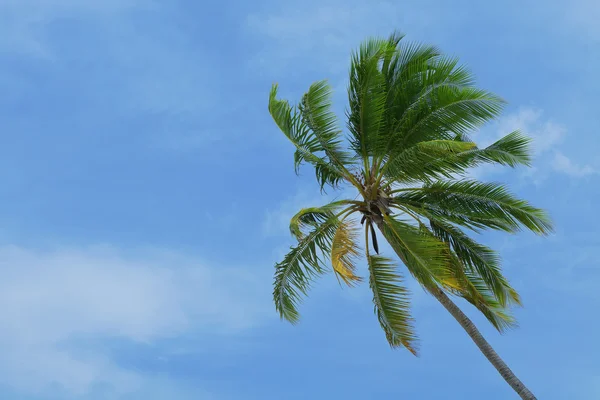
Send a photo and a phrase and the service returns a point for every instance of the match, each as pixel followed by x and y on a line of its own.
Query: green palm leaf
pixel 391 303
pixel 425 160
pixel 454 110
pixel 486 204
pixel 309 218
pixel 300 266
pixel 478 260
pixel 424 255
pixel 511 150
pixel 405 74
pixel 367 98
pixel 476 223
pixel 476 291
pixel 290 122
pixel 315 109
pixel 414 164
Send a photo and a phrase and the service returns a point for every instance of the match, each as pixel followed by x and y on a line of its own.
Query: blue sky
pixel 146 193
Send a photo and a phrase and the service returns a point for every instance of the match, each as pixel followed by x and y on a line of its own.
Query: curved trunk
pixel 483 345
pixel 477 337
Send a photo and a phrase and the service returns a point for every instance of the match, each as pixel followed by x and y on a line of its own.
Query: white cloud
pixel 562 163
pixel 546 134
pixel 48 299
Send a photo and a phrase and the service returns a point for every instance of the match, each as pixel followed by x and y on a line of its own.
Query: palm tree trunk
pixel 483 345
pixel 476 336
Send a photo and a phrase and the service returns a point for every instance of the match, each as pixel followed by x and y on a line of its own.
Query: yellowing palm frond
pixel 425 256
pixel 309 218
pixel 344 253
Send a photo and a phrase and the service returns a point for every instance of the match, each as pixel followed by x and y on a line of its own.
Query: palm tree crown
pixel 407 153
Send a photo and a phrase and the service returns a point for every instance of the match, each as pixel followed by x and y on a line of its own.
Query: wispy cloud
pixel 48 299
pixel 564 164
pixel 546 133
pixel 547 136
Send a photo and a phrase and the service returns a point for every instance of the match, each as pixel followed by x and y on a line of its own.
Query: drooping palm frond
pixel 477 259
pixel 300 266
pixel 345 252
pixel 290 122
pixel 475 290
pixel 391 302
pixel 316 113
pixel 309 218
pixel 424 255
pixel 479 202
pixel 475 223
pixel 461 280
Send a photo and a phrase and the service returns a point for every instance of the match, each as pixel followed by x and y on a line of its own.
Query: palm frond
pixel 476 223
pixel 290 122
pixel 451 111
pixel 309 218
pixel 410 61
pixel 425 256
pixel 390 60
pixel 485 204
pixel 405 76
pixel 447 71
pixel 367 98
pixel 315 109
pixel 345 252
pixel 477 292
pixel 414 164
pixel 511 150
pixel 391 302
pixel 477 259
pixel 300 267
pixel 426 160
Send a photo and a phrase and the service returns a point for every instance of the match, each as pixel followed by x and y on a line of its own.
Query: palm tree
pixel 407 154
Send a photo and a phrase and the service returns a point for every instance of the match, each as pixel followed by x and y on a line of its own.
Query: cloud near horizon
pixel 49 299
